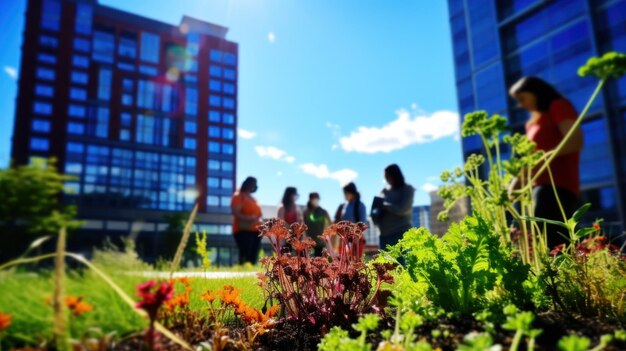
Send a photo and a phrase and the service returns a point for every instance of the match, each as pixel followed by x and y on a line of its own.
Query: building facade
pixel 497 42
pixel 142 113
pixel 421 216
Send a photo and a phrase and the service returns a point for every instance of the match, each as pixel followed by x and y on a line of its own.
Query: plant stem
pixel 61 338
pixel 516 340
pixel 183 241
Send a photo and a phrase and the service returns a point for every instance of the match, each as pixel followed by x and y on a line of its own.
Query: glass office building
pixel 142 113
pixel 497 42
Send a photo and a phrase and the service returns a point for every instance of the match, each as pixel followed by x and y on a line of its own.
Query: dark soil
pixel 444 333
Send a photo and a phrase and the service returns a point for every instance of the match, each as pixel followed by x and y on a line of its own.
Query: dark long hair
pixel 248 185
pixel 312 196
pixel 288 200
pixel 351 189
pixel 395 176
pixel 544 93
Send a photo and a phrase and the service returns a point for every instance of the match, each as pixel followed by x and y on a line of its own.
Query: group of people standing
pixel 391 212
pixel 555 192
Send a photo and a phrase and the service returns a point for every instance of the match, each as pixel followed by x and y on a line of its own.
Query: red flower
pixel 153 296
pixel 596 226
pixel 557 249
pixel 5 320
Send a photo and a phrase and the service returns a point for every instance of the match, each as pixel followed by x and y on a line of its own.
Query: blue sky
pixel 329 91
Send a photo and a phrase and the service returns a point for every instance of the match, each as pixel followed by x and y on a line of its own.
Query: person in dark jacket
pixel 316 219
pixel 396 214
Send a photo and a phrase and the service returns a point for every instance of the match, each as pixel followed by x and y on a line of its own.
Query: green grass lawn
pixel 24 295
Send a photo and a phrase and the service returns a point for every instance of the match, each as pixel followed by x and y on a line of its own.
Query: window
pixel 81 44
pixel 228 149
pixel 103 46
pixel 229 118
pixel 48 41
pixel 214 116
pixel 229 88
pixel 145 129
pixel 227 166
pixel 193 43
pixel 127 99
pixel 104 84
pixel 190 78
pixel 76 128
pixel 191 127
pixel 145 94
pixel 79 77
pixel 148 70
pixel 124 134
pixel 80 61
pixel 227 184
pixel 44 90
pixel 127 91
pixel 191 101
pixel 76 111
pixel 45 73
pixel 125 119
pixel 215 100
pixel 228 133
pixel 166 98
pixel 229 74
pixel 229 103
pixel 214 132
pixel 126 66
pixel 212 200
pixel 215 55
pixel 73 167
pixel 190 143
pixel 213 182
pixel 149 47
pixel 215 85
pixel 213 165
pixel 75 148
pixel 47 58
pixel 78 94
pixel 214 147
pixel 215 71
pixel 51 15
pixel 42 108
pixel 39 144
pixel 230 59
pixel 84 14
pixel 127 47
pixel 40 125
pixel 99 124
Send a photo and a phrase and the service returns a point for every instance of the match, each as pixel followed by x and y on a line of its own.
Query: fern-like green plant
pixel 462 270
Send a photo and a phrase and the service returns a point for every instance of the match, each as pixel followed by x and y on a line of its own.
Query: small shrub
pixel 326 291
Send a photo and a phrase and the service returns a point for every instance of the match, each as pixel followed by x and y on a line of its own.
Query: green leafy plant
pixel 202 251
pixel 521 324
pixel 461 271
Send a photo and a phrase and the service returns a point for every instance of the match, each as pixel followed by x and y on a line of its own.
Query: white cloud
pixel 408 129
pixel 343 176
pixel 11 71
pixel 274 153
pixel 245 134
pixel 429 187
pixel 271 37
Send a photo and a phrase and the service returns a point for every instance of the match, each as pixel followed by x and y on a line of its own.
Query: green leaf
pixel 574 343
pixel 547 221
pixel 581 212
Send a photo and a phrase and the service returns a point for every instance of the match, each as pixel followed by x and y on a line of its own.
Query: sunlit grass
pixel 26 296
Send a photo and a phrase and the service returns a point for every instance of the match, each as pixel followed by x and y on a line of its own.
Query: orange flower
pixel 179 300
pixel 82 307
pixel 208 296
pixel 229 295
pixel 5 320
pixel 596 226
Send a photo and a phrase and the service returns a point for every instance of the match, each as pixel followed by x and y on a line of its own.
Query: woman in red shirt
pixel 551 118
pixel 290 212
pixel 246 220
